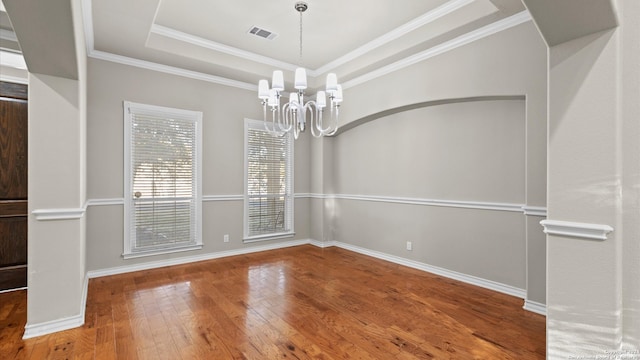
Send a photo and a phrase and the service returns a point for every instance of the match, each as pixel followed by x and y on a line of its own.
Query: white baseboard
pixel 85 293
pixel 33 330
pixel 45 328
pixel 322 244
pixel 469 279
pixel 10 290
pixel 535 307
pixel 189 259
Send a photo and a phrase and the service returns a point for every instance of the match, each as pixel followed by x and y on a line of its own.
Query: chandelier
pixel 322 112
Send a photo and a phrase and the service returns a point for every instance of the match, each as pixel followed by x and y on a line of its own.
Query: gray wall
pixel 489 151
pixel 224 109
pixel 512 62
pixel 471 151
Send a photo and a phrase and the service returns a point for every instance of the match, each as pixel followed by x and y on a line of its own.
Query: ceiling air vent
pixel 262 33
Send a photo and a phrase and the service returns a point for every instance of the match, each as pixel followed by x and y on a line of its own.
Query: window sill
pixel 268 237
pixel 161 251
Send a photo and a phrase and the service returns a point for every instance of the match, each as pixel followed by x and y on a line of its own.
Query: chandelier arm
pixel 277 118
pixel 313 131
pixel 332 132
pixel 264 114
pixel 292 120
pixel 284 122
pixel 308 109
pixel 296 130
pixel 266 120
pixel 314 125
pixel 335 129
pixel 323 130
pixel 271 129
pixel 318 119
pixel 329 129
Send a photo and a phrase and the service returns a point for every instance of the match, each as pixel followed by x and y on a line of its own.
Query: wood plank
pixel 13 208
pixel 13 241
pixel 13 277
pixel 13 90
pixel 300 303
pixel 13 185
pixel 13 149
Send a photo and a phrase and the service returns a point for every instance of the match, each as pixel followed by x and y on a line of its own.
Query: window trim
pixel 130 108
pixel 259 124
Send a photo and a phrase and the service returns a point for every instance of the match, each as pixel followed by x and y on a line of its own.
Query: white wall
pixel 224 109
pixel 594 162
pixel 56 247
pixel 57 184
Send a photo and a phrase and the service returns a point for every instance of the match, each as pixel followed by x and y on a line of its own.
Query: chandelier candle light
pixel 292 116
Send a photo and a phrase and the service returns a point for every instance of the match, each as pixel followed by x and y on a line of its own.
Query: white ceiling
pixel 210 37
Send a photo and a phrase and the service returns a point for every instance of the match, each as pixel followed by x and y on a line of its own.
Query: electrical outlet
pixel 409 246
pixel 226 237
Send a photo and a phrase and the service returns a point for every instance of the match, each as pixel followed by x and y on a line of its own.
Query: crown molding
pixel 12 59
pixel 14 79
pixel 216 46
pixel 396 33
pixel 125 60
pixel 578 230
pixel 465 39
pixel 431 16
pixel 8 35
pixel 87 20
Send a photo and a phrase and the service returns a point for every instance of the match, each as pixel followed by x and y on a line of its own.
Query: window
pixel 268 203
pixel 162 180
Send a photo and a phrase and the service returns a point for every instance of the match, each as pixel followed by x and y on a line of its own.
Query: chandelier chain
pixel 300 56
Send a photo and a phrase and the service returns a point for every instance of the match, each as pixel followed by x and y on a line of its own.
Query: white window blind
pixel 268 183
pixel 162 179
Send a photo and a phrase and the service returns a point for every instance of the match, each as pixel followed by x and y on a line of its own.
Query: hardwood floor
pixel 299 303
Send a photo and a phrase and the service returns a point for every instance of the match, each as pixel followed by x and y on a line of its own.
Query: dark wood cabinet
pixel 13 185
